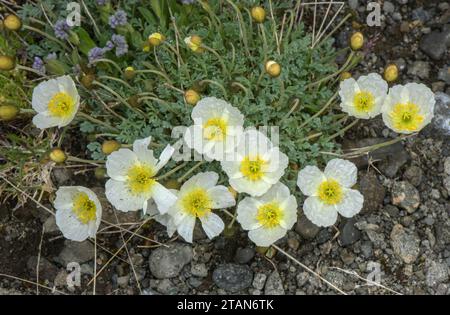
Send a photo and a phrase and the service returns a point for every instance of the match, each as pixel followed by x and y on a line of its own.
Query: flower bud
pixel 58 156
pixel 172 184
pixel 273 68
pixel 194 42
pixel 345 75
pixel 8 112
pixel 129 73
pixel 110 146
pixel 191 97
pixel 134 101
pixel 156 39
pixel 258 14
pixel 12 22
pixel 357 41
pixel 87 80
pixel 391 73
pixel 7 63
pixel 100 172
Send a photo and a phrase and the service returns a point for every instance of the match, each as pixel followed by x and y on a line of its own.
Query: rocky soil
pixel 401 237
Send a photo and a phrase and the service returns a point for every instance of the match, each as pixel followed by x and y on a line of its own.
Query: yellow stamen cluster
pixel 140 179
pixel 84 208
pixel 406 117
pixel 330 192
pixel 61 105
pixel 364 101
pixel 197 203
pixel 253 168
pixel 215 129
pixel 269 215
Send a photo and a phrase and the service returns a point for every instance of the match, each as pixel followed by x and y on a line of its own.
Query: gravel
pixel 233 277
pixel 167 262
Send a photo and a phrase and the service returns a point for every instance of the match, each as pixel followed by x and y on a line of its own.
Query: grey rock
pixel 195 282
pixel 349 233
pixel 393 211
pixel 233 277
pixel 259 280
pixel 447 165
pixel 166 286
pixel 306 228
pixel 244 255
pixel 123 281
pixel 435 44
pixel 446 183
pixel 373 192
pixel 420 69
pixel 405 196
pixel 353 4
pixel 404 244
pixel 79 252
pixel 421 15
pixel 376 238
pixel 274 285
pixel 444 74
pixel 414 175
pixel 302 278
pixel 436 273
pixel 199 270
pixel 50 225
pixel 167 262
pixel 61 176
pixel 388 7
pixel 367 249
pixel 440 124
pixel 47 270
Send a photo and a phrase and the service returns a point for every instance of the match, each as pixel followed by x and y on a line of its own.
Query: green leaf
pixel 86 42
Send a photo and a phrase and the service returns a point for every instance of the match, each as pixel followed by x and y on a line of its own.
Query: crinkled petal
pixel 309 180
pixel 221 197
pixel 345 172
pixel 265 237
pixel 351 204
pixel 119 162
pixel 319 213
pixel 212 225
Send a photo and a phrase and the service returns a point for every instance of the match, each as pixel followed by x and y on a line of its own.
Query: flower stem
pixel 189 171
pixel 30 28
pixel 172 171
pixel 216 84
pixel 76 159
pixel 97 121
pixel 222 63
pixel 343 130
pixel 330 101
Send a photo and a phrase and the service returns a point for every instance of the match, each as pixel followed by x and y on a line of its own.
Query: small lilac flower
pixel 38 65
pixel 51 56
pixel 101 2
pixel 187 1
pixel 118 19
pixel 121 44
pixel 95 53
pixel 61 29
pixel 109 46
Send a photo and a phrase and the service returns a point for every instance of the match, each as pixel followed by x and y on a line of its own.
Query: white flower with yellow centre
pixel 330 192
pixel 56 102
pixel 255 165
pixel 363 98
pixel 196 199
pixel 132 180
pixel 269 217
pixel 78 212
pixel 408 108
pixel 216 130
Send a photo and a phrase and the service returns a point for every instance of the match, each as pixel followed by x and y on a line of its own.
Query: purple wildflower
pixel 187 1
pixel 101 2
pixel 38 65
pixel 121 44
pixel 95 53
pixel 61 29
pixel 109 46
pixel 118 19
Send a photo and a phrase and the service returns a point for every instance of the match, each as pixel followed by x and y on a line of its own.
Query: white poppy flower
pixel 196 199
pixel 408 108
pixel 255 165
pixel 164 219
pixel 216 130
pixel 56 102
pixel 363 98
pixel 78 212
pixel 330 192
pixel 132 178
pixel 269 217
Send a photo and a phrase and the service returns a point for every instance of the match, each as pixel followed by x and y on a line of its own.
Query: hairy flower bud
pixel 12 22
pixel 391 73
pixel 8 112
pixel 156 39
pixel 58 156
pixel 345 75
pixel 7 63
pixel 258 14
pixel 109 146
pixel 191 97
pixel 357 41
pixel 129 73
pixel 273 68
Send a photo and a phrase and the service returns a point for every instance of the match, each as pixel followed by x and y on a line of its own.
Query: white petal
pixel 42 94
pixel 163 197
pixel 70 226
pixel 309 180
pixel 119 162
pixel 351 204
pixel 289 207
pixel 246 213
pixel 119 196
pixel 143 153
pixel 221 197
pixel 319 213
pixel 253 188
pixel 212 225
pixel 204 180
pixel 345 172
pixel 265 237
pixel 186 228
pixel 43 121
pixel 165 156
pixel 64 197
